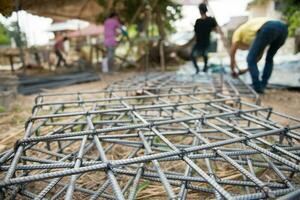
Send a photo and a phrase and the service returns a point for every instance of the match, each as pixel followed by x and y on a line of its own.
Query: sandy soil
pixel 12 122
pixel 284 101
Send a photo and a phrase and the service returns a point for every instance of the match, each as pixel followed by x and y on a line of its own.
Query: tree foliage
pixel 18 36
pixel 4 36
pixel 6 7
pixel 134 12
pixel 291 12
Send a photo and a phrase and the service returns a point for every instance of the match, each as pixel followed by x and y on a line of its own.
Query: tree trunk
pixel 297 41
pixel 160 24
pixel 110 5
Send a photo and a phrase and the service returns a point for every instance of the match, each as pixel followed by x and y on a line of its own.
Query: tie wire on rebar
pixel 161 135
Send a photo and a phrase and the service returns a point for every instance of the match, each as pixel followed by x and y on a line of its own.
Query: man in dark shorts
pixel 203 27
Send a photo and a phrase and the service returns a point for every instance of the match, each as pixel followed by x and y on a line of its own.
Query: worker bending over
pixel 255 35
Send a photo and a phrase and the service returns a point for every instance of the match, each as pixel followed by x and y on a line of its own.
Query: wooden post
pixel 97 54
pixel 162 55
pixel 17 6
pixel 11 61
pixel 148 20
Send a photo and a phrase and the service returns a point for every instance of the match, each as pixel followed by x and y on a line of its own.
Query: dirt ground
pixel 284 101
pixel 12 122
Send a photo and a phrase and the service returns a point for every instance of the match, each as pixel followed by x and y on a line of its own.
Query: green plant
pixel 2 109
pixel 4 36
pixel 291 13
pixel 16 34
pixel 143 186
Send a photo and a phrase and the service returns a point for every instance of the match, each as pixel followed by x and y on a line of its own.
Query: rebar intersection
pixel 175 136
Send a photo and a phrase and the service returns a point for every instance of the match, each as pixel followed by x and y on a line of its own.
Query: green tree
pixel 4 36
pixel 134 13
pixel 291 12
pixel 18 36
pixel 145 17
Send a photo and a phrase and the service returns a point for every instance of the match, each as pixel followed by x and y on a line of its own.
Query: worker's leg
pixel 110 57
pixel 194 55
pixel 64 61
pixel 275 45
pixel 205 59
pixel 59 58
pixel 58 62
pixel 261 41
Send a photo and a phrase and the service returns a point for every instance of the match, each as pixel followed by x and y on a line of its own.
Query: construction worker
pixel 59 49
pixel 203 27
pixel 111 26
pixel 256 34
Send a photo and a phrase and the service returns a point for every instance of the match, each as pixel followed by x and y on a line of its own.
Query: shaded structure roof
pixel 189 2
pixel 63 9
pixel 91 30
pixel 69 25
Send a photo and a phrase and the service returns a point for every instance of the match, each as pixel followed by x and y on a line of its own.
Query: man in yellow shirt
pixel 256 34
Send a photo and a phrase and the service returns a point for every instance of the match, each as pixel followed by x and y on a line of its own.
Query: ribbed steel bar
pixel 186 137
pixel 225 157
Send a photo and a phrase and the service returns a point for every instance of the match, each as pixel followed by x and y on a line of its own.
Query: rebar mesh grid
pixel 220 83
pixel 178 141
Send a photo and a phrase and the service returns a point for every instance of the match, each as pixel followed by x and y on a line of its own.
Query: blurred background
pixel 160 37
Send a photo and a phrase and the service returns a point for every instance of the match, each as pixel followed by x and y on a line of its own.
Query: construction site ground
pixel 12 121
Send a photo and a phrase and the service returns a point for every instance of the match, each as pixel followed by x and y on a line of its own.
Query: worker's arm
pixel 223 38
pixel 234 68
pixel 218 30
pixel 233 64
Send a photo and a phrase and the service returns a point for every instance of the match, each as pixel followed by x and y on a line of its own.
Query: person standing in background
pixel 203 27
pixel 111 26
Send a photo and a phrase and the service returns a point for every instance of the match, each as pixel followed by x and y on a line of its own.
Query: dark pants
pixel 202 51
pixel 110 57
pixel 272 34
pixel 60 58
